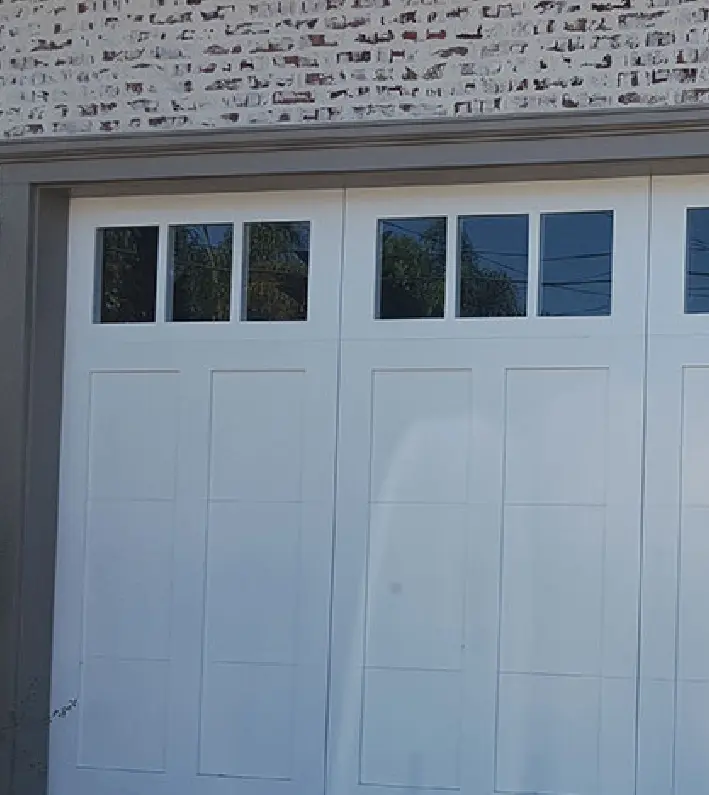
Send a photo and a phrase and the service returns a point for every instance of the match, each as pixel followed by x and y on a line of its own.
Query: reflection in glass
pixel 276 261
pixel 128 266
pixel 200 273
pixel 696 284
pixel 493 264
pixel 576 264
pixel 412 268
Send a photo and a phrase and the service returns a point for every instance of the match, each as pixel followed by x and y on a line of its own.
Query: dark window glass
pixel 696 285
pixel 493 264
pixel 576 264
pixel 276 261
pixel 200 273
pixel 128 266
pixel 412 268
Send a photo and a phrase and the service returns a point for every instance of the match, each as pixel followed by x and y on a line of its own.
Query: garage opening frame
pixel 38 180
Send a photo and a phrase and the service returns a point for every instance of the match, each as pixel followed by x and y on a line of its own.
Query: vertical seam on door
pixel 643 478
pixel 678 582
pixel 336 459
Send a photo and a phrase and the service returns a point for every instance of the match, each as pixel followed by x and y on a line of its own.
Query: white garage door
pixel 469 430
pixel 674 714
pixel 195 541
pixel 489 483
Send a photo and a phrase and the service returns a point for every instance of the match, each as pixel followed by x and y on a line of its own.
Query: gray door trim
pixel 498 131
pixel 37 181
pixel 33 226
pixel 650 140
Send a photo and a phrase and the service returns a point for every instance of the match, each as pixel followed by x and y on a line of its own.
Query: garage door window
pixel 127 274
pixel 412 268
pixel 696 286
pixel 276 264
pixel 576 264
pixel 199 276
pixel 493 265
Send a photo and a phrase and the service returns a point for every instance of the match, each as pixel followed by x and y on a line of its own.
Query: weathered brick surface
pixel 89 66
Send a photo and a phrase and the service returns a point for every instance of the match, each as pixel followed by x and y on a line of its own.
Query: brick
pixel 104 66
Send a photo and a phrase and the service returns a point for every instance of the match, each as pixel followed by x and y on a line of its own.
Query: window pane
pixel 576 264
pixel 128 266
pixel 276 261
pixel 696 287
pixel 412 268
pixel 200 272
pixel 493 264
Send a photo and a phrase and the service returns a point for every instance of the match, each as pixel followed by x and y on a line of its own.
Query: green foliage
pixel 201 274
pixel 413 274
pixel 485 292
pixel 413 277
pixel 278 259
pixel 125 279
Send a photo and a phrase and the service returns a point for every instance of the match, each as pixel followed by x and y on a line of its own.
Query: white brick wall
pixel 89 66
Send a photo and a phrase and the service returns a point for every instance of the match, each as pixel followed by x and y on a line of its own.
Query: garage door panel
pixel 552 457
pixel 123 714
pixel 257 432
pixel 545 551
pixel 186 559
pixel 112 782
pixel 128 598
pixel 552 590
pixel 498 458
pixel 196 531
pixel 419 436
pixel 411 729
pixel 414 618
pixel 482 476
pixel 384 224
pixel 675 652
pixel 133 435
pixel 247 721
pixel 265 487
pixel 273 216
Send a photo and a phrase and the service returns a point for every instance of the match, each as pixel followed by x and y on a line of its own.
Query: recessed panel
pixel 695 436
pixel 415 586
pixel 257 436
pixel 253 571
pixel 411 268
pixel 411 729
pixel 129 579
pixel 552 590
pixel 420 436
pixel 126 274
pixel 693 657
pixel 556 427
pixel 200 272
pixel 656 735
pixel 617 751
pixel 276 264
pixel 692 737
pixel 123 714
pixel 133 435
pixel 493 264
pixel 548 735
pixel 247 721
